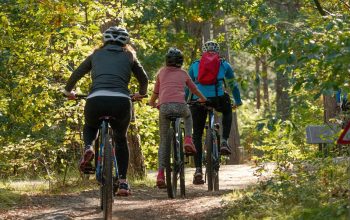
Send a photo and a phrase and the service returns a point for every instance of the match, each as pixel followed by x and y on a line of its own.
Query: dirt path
pixel 145 202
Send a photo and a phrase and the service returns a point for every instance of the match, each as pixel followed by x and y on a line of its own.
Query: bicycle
pixel 105 164
pixel 212 143
pixel 175 165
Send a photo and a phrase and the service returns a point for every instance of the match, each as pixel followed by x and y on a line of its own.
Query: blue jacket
pixel 225 72
pixel 341 97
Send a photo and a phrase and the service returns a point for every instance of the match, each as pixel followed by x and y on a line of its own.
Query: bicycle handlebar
pixel 208 103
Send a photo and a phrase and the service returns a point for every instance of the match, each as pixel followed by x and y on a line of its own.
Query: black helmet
pixel 174 57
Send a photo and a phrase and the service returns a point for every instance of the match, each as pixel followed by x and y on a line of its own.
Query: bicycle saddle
pixel 173 116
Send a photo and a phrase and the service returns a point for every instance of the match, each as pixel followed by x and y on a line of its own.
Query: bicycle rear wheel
pixel 216 180
pixel 216 163
pixel 181 163
pixel 171 169
pixel 107 178
pixel 209 159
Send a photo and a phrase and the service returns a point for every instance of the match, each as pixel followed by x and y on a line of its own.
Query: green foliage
pixel 41 43
pixel 314 189
pixel 147 123
pixel 313 51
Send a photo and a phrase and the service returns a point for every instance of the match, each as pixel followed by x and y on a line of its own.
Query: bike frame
pixel 99 147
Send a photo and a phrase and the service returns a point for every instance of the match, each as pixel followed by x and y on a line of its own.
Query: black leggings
pixel 120 109
pixel 199 116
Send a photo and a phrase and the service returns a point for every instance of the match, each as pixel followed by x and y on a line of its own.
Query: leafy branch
pixel 319 8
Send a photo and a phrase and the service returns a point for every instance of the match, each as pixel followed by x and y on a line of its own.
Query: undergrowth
pixel 309 190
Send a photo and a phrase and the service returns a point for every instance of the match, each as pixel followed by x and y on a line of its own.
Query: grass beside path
pixel 16 193
pixel 318 193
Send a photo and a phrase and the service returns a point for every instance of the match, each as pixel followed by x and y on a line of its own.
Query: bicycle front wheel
pixel 107 182
pixel 182 163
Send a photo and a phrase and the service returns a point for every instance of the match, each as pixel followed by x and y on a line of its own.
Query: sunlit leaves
pixel 310 47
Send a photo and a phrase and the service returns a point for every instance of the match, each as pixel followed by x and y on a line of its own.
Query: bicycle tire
pixel 217 164
pixel 182 163
pixel 170 183
pixel 216 180
pixel 98 167
pixel 209 159
pixel 107 184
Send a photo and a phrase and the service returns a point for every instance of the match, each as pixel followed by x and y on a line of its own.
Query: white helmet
pixel 116 34
pixel 211 46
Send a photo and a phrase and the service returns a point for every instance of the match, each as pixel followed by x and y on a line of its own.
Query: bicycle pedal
pixel 89 169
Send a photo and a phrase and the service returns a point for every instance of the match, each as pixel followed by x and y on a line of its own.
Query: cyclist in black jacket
pixel 111 67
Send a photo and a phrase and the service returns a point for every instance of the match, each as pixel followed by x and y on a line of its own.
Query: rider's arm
pixel 232 84
pixel 187 90
pixel 140 75
pixel 83 68
pixel 193 88
pixel 155 94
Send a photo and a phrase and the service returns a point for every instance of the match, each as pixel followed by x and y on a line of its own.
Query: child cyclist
pixel 169 89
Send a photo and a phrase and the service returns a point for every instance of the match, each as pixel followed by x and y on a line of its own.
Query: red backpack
pixel 209 66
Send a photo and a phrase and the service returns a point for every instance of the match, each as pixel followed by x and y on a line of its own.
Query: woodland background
pixel 289 57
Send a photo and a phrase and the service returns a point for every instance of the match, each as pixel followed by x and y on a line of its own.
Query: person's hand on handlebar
pixel 152 103
pixel 137 97
pixel 235 106
pixel 70 95
pixel 202 100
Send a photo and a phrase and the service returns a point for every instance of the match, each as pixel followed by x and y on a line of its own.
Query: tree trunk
pixel 290 10
pixel 234 139
pixel 137 167
pixel 330 107
pixel 257 80
pixel 319 8
pixel 206 33
pixel 194 28
pixel 283 102
pixel 265 83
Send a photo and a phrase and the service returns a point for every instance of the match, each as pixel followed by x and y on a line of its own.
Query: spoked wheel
pixel 209 160
pixel 171 167
pixel 182 164
pixel 216 165
pixel 216 180
pixel 107 179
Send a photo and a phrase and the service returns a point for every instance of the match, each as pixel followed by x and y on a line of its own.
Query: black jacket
pixel 111 68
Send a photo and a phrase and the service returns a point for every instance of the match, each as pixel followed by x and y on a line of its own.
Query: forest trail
pixel 144 203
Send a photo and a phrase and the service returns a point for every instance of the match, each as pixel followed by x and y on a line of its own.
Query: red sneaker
pixel 189 146
pixel 86 159
pixel 198 178
pixel 161 180
pixel 123 189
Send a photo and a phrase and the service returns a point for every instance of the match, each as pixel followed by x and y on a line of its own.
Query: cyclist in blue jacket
pixel 221 101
